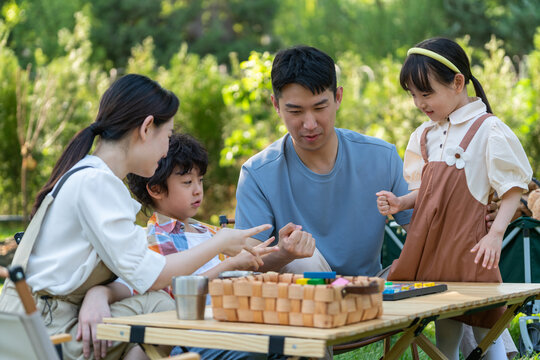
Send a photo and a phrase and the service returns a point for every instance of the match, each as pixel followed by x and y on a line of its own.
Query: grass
pixel 9 228
pixel 375 351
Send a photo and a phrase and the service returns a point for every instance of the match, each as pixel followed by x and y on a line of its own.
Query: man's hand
pixel 492 210
pixel 295 243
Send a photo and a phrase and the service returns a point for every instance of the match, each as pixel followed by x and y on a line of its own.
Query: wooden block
pixel 285 278
pixel 231 315
pixel 256 303
pixel 258 317
pixel 245 315
pixel 271 276
pixel 270 317
pixel 230 302
pixel 219 314
pixel 296 306
pixel 333 308
pixel 242 288
pixel 217 301
pixel 349 278
pixel 354 317
pixel 322 321
pixel 227 287
pixel 307 319
pixel 309 291
pixel 215 287
pixel 283 290
pixel 269 304
pixel 323 293
pixel 380 312
pixel 339 319
pixel 296 319
pixel 256 289
pixel 283 305
pixel 243 302
pixel 283 318
pixel 296 277
pixel 351 303
pixel 296 291
pixel 269 290
pixel 370 313
pixel 308 307
pixel 363 302
pixel 376 299
pixel 321 307
pixel 259 277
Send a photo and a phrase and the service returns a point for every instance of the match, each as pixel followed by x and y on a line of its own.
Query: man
pixel 318 176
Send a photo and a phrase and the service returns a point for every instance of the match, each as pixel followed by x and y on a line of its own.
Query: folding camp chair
pixel 521 245
pixel 24 336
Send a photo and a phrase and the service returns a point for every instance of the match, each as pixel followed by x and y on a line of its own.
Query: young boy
pixel 175 193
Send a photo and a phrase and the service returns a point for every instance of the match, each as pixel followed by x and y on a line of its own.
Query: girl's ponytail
pixel 480 93
pixel 78 148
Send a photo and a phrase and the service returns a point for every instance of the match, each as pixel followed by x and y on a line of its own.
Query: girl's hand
pixel 387 203
pixel 489 247
pixel 233 241
pixel 247 261
pixel 93 309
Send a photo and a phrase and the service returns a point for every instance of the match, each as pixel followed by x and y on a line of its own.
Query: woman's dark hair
pixel 185 152
pixel 417 67
pixel 123 107
pixel 306 66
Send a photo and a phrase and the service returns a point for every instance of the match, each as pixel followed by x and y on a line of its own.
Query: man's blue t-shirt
pixel 339 208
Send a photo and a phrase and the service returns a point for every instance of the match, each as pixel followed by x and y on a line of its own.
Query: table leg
pixel 495 331
pixel 409 335
pixel 431 350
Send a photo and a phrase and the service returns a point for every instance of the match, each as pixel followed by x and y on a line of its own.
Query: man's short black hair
pixel 306 66
pixel 185 152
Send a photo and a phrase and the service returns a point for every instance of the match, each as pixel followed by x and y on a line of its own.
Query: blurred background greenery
pixel 57 57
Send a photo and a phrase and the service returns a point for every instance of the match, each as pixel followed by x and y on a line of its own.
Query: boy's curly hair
pixel 185 152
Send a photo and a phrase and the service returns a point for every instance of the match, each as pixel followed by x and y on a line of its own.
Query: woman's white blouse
pixel 494 159
pixel 91 219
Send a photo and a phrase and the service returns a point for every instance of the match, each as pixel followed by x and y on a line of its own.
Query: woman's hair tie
pixel 434 55
pixel 95 128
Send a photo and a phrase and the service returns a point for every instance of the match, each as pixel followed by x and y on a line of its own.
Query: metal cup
pixel 190 295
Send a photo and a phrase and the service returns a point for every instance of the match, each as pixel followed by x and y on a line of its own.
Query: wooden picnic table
pixel 409 315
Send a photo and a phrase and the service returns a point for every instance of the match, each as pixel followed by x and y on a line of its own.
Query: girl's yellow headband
pixel 433 55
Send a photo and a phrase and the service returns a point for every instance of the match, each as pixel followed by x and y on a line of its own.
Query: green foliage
pixel 185 44
pixel 10 157
pixel 254 124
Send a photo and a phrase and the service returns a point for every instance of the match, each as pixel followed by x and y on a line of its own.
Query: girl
pixel 83 232
pixel 453 164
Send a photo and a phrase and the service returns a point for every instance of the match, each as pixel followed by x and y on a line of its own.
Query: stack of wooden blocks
pixel 274 298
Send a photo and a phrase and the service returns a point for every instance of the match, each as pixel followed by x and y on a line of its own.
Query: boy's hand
pixel 234 240
pixel 387 203
pixel 295 243
pixel 247 261
pixel 489 247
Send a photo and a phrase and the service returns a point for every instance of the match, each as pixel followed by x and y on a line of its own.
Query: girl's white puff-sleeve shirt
pixel 494 160
pixel 91 219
